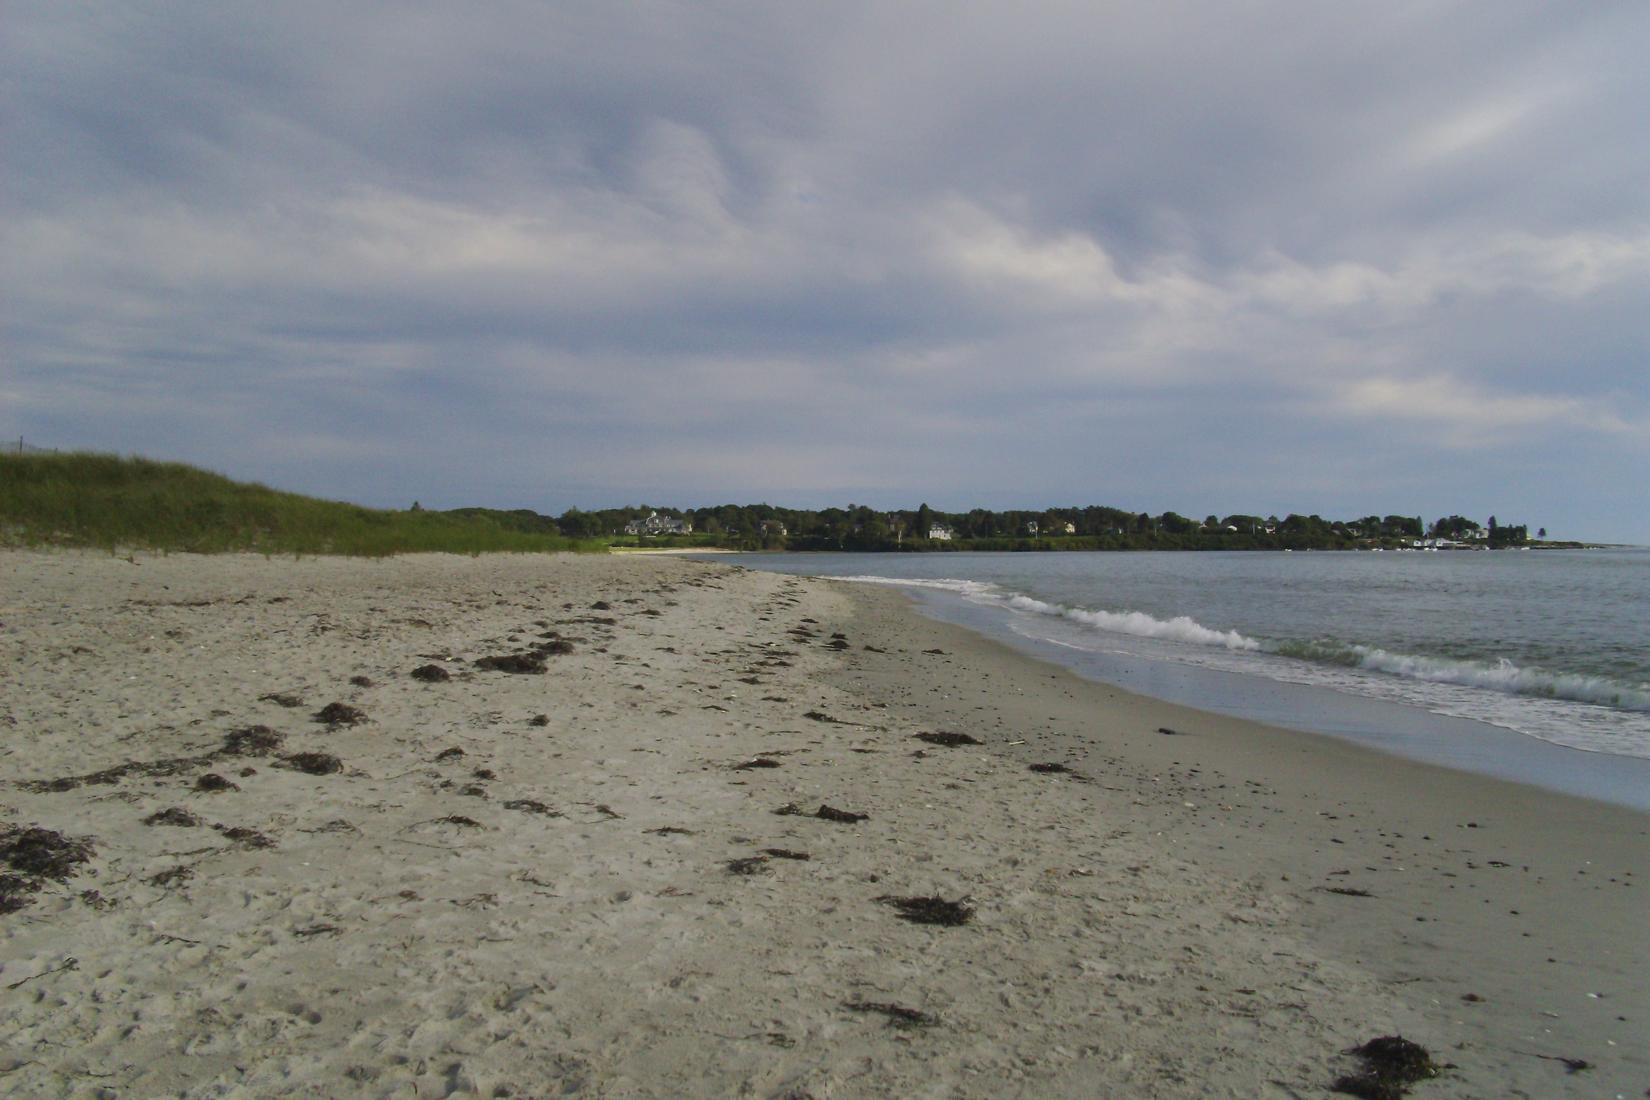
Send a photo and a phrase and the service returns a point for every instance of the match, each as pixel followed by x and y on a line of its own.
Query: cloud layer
pixel 1294 257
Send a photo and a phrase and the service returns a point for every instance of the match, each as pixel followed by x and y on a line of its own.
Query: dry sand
pixel 550 910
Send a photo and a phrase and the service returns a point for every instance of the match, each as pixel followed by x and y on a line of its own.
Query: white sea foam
pixel 1181 628
pixel 1506 677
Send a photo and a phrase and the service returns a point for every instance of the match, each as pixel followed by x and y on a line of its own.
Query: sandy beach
pixel 274 831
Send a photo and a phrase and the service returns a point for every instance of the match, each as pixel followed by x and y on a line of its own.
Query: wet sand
pixel 575 881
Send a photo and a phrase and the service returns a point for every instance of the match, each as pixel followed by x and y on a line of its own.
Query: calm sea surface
pixel 1437 655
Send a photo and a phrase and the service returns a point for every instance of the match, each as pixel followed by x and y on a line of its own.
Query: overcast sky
pixel 1262 257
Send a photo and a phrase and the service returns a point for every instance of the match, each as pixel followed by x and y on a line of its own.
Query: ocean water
pixel 1494 661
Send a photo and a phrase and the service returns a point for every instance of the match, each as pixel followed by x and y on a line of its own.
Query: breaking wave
pixel 1502 676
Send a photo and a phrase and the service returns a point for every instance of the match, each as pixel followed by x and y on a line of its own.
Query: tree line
pixel 860 528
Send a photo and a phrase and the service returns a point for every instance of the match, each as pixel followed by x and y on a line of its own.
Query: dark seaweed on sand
pixel 43 853
pixel 1391 1064
pixel 340 714
pixel 786 853
pixel 449 754
pixel 750 865
pixel 431 674
pixel 824 813
pixel 459 819
pixel 513 662
pixel 555 647
pixel 282 698
pixel 174 815
pixel 313 763
pixel 240 834
pixel 929 910
pixel 757 762
pixel 251 741
pixel 949 740
pixel 213 783
pixel 530 806
pixel 898 1015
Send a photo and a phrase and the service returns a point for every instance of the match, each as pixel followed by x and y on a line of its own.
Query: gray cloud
pixel 1291 256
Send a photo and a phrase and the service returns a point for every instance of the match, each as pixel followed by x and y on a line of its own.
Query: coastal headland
pixel 638 826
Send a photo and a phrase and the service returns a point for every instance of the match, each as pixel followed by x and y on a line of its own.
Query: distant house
pixel 941 532
pixel 655 524
pixel 1031 527
pixel 774 527
pixel 1070 528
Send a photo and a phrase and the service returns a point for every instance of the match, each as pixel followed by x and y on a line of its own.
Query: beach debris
pixel 460 820
pixel 16 892
pixel 69 963
pixel 750 865
pixel 251 741
pixel 758 762
pixel 1054 768
pixel 607 811
pixel 949 740
pixel 430 674
pixel 43 853
pixel 824 813
pixel 1571 1065
pixel 313 763
pixel 929 910
pixel 874 649
pixel 1391 1064
pixel 449 754
pixel 837 643
pixel 213 783
pixel 282 698
pixel 1167 732
pixel 362 681
pixel 898 1015
pixel 531 806
pixel 601 605
pixel 556 647
pixel 240 834
pixel 339 714
pixel 821 716
pixel 1347 891
pixel 485 774
pixel 669 830
pixel 172 876
pixel 175 815
pixel 318 930
pixel 539 720
pixel 936 652
pixel 525 663
pixel 786 853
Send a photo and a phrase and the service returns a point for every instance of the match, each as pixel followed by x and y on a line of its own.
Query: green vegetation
pixel 134 503
pixel 80 499
pixel 859 528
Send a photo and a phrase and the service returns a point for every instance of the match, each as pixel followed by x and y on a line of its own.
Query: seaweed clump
pixel 930 910
pixel 251 741
pixel 898 1015
pixel 340 714
pixel 175 815
pixel 431 674
pixel 1391 1064
pixel 824 813
pixel 313 763
pixel 949 740
pixel 525 663
pixel 43 853
pixel 36 854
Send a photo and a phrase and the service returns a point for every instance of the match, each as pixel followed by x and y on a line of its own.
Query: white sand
pixel 1132 936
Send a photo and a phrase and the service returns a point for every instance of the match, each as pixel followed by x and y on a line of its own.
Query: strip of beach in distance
pixel 644 826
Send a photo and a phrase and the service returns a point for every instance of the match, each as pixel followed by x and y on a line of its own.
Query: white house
pixel 655 524
pixel 940 531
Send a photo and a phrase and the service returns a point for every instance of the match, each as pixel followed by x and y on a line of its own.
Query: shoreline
pixel 553 906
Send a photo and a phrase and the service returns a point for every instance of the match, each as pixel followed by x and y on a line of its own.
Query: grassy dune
pixel 82 499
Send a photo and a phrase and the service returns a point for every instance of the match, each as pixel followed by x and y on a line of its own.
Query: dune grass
pixel 115 503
